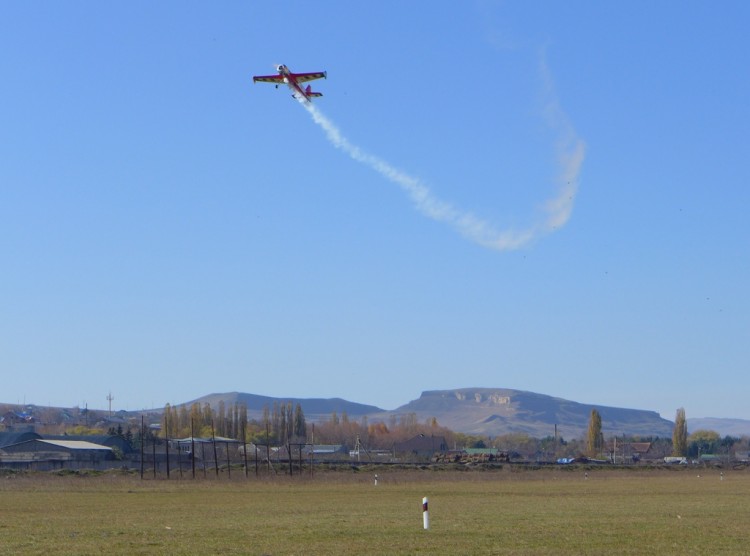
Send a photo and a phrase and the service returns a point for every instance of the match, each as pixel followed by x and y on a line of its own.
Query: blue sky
pixel 169 229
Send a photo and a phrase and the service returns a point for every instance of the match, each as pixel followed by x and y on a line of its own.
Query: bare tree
pixel 221 419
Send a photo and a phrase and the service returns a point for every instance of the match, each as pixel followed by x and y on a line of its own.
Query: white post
pixel 425 514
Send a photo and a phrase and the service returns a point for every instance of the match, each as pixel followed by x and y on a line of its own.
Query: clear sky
pixel 543 196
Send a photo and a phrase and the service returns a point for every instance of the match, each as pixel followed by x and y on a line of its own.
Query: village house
pixel 421 446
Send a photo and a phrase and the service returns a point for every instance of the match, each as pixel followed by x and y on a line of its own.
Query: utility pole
pixel 143 441
pixel 614 451
pixel 109 399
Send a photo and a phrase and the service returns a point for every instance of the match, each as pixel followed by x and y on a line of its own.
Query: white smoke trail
pixel 570 152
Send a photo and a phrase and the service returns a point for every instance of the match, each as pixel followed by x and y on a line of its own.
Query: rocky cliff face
pixel 496 411
pixel 484 411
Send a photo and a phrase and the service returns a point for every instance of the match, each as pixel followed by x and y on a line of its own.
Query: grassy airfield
pixel 507 511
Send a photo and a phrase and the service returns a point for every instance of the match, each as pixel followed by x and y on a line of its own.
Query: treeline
pixel 280 424
pixel 204 421
pixel 339 429
pixel 711 442
pixel 283 423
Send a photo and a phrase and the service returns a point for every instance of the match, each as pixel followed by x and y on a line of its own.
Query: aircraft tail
pixel 310 93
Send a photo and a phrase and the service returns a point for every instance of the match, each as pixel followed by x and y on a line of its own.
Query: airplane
pixel 293 80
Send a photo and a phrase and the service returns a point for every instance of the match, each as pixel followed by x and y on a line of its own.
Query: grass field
pixel 547 511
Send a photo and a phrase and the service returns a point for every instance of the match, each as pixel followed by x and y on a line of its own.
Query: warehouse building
pixel 44 455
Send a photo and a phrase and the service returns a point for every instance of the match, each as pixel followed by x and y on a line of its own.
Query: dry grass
pixel 552 511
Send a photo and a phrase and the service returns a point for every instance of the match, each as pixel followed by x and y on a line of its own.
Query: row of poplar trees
pixel 595 439
pixel 180 422
pixel 282 423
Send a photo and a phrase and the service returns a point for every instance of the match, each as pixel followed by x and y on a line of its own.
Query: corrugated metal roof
pixel 205 440
pixel 481 451
pixel 76 444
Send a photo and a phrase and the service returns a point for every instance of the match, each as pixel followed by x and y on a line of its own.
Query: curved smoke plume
pixel 570 152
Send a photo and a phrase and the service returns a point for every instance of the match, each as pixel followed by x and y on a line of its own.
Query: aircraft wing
pixel 302 77
pixel 268 78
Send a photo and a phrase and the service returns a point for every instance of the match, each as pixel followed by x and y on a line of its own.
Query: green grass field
pixel 547 511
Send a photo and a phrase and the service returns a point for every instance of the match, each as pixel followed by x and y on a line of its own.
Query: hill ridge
pixel 482 411
pixel 479 410
pixel 495 411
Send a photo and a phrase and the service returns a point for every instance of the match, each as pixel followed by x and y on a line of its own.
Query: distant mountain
pixel 315 409
pixel 481 411
pixel 496 411
pixel 492 412
pixel 725 427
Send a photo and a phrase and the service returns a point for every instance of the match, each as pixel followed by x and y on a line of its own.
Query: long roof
pixel 75 444
pixel 205 440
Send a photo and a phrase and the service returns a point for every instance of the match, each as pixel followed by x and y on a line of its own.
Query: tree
pixel 703 442
pixel 169 422
pixel 241 415
pixel 594 435
pixel 289 432
pixel 208 415
pixel 183 421
pixel 276 420
pixel 232 423
pixel 281 430
pixel 300 427
pixel 679 435
pixel 409 422
pixel 727 443
pixel 364 433
pixel 550 446
pixel 221 419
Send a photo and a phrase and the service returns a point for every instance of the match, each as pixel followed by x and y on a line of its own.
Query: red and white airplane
pixel 293 80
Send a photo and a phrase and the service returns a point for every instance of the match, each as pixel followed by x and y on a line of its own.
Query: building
pixel 421 446
pixel 325 451
pixel 629 452
pixel 8 438
pixel 40 454
pixel 12 418
pixel 109 440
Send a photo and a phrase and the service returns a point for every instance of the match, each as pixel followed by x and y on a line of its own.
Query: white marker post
pixel 425 514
